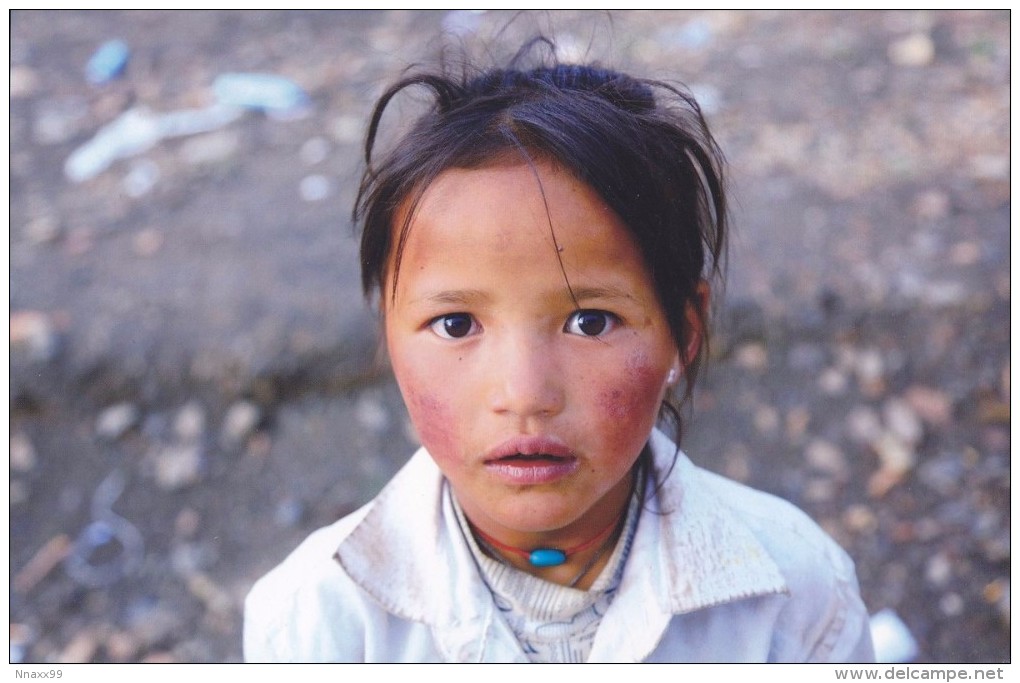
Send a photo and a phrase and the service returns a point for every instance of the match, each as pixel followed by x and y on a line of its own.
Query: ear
pixel 697 313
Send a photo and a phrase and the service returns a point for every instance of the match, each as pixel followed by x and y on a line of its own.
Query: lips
pixel 528 460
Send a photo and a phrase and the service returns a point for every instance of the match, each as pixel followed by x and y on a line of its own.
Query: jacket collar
pixel 408 555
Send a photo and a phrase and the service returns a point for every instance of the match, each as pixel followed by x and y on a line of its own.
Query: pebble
pixel 952 604
pixel 315 151
pixel 832 382
pixel 965 253
pixel 818 490
pixel 189 558
pixel 752 356
pixel 82 648
pixel 19 492
pixel 939 570
pixel 152 623
pixel 860 518
pixel 115 421
pixel 347 130
pixel 931 405
pixel 824 456
pixel 315 188
pixel 21 638
pixel 35 333
pixel 870 370
pixel 187 522
pixel 42 563
pixel 240 422
pixel 178 466
pixel 147 242
pixel 863 425
pixel 797 420
pixel 902 421
pixel 122 647
pixel 189 424
pixel 997 593
pixel 42 230
pixel 205 589
pixel 59 121
pixel 23 458
pixel 766 420
pixel 943 474
pixel 894 454
pixel 289 512
pixel 23 82
pixel 914 50
pixel 932 205
pixel 371 413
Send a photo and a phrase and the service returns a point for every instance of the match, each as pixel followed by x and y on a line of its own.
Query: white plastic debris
pixel 261 92
pixel 139 130
pixel 893 641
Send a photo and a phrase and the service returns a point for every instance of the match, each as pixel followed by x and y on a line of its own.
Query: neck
pixel 586 544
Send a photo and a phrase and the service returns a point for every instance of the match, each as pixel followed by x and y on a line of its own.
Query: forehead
pixel 534 220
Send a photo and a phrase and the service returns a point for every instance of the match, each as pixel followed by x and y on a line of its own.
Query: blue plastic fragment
pixel 547 557
pixel 259 91
pixel 108 62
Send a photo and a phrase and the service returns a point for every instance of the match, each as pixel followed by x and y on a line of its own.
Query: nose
pixel 526 379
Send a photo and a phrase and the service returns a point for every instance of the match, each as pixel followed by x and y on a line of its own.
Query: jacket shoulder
pixel 824 618
pixel 292 613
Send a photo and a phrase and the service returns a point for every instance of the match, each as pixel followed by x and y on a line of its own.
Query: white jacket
pixel 718 572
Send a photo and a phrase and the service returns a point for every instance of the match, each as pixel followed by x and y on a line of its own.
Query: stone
pixel 371 413
pixel 914 50
pixel 239 423
pixel 932 405
pixel 115 421
pixel 939 570
pixel 189 424
pixel 315 150
pixel 34 333
pixel 178 466
pixel 23 458
pixel 315 188
pixel 894 454
pixel 902 421
pixel 752 356
pixel 863 425
pixel 824 456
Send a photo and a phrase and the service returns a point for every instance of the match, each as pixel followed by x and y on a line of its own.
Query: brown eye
pixel 453 326
pixel 589 323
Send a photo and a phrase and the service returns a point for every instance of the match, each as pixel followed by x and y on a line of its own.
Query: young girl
pixel 541 241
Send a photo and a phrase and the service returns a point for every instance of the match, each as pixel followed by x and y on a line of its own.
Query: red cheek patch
pixel 634 393
pixel 432 420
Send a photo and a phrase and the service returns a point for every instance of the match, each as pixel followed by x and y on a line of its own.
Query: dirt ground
pixel 195 382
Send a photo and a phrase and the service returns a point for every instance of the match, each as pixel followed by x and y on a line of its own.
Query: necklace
pixel 549 557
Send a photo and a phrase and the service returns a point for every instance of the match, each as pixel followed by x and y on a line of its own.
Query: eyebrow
pixel 453 296
pixel 468 297
pixel 586 293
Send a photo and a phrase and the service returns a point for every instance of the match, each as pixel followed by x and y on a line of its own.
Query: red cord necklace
pixel 548 557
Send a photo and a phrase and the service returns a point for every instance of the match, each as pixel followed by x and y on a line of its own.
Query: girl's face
pixel 534 404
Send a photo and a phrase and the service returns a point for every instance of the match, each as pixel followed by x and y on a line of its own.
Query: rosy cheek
pixel 631 398
pixel 433 420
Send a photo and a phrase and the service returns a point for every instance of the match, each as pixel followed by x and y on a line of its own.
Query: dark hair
pixel 642 145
